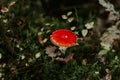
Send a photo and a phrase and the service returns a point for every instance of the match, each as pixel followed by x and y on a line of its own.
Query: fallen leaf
pixel 11 3
pixel 103 52
pixel 45 40
pixel 84 61
pixel 70 19
pixel 37 55
pixel 89 25
pixel 84 32
pixel 5 20
pixel 4 9
pixel 40 39
pixel 69 13
pixel 50 51
pixel 14 70
pixel 66 59
pixel 107 71
pixel 112 17
pixel 64 16
pixel 73 28
pixel 108 77
pixel 20 22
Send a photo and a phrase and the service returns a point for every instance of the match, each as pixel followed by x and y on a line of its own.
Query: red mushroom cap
pixel 63 38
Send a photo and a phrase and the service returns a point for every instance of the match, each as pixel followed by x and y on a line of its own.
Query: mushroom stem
pixel 62 49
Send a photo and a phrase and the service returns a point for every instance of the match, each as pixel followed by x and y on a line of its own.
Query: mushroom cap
pixel 63 38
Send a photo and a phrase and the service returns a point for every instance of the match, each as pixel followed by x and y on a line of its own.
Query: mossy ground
pixel 23 53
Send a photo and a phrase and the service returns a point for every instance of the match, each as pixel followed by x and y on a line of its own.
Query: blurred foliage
pixel 24 36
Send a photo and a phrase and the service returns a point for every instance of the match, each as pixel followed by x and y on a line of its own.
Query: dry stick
pixel 8 46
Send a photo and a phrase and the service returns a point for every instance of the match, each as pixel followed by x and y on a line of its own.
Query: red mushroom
pixel 63 38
